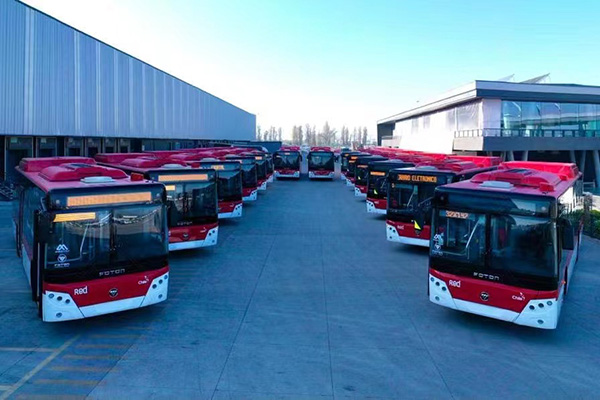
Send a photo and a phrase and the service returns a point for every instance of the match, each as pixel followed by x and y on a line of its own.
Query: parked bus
pixel 377 183
pixel 361 174
pixel 229 180
pixel 92 240
pixel 191 198
pixel 321 163
pixel 505 243
pixel 249 176
pixel 262 169
pixel 351 167
pixel 410 191
pixel 287 161
pixel 344 158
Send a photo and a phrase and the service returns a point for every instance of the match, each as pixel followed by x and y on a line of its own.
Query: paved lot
pixel 302 298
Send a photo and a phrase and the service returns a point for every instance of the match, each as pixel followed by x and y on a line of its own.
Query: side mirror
pixel 568 234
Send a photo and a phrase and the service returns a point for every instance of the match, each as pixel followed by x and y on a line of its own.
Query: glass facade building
pixel 528 118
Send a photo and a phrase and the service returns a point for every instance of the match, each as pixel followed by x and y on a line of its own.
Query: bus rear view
pixel 92 240
pixel 505 243
pixel 321 163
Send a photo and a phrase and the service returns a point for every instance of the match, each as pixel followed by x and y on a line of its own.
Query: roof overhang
pixel 502 90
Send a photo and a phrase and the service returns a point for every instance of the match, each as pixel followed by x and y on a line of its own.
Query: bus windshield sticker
pixel 417 178
pixel 218 167
pixel 438 242
pixel 62 248
pixel 456 214
pixel 61 257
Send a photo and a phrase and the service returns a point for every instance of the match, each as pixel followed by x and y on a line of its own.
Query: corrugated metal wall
pixel 54 80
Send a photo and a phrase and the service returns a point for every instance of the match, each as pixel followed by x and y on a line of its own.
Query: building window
pixel 530 118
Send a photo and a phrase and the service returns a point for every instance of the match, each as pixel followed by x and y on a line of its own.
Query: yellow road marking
pixel 37 368
pixel 28 349
pixel 66 382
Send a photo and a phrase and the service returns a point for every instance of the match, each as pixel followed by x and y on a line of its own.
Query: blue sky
pixel 349 62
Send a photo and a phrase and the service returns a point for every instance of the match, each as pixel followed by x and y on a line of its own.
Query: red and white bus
pixel 191 197
pixel 262 168
pixel 93 240
pixel 344 159
pixel 249 176
pixel 321 163
pixel 377 183
pixel 287 161
pixel 351 168
pixel 361 174
pixel 505 243
pixel 229 180
pixel 410 191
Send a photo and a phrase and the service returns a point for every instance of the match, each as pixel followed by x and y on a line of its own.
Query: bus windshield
pixel 405 199
pixel 249 175
pixel 362 171
pixel 287 160
pixel 377 185
pixel 511 249
pixel 129 237
pixel 193 202
pixel 323 161
pixel 230 185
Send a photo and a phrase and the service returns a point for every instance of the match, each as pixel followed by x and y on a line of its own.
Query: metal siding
pixel 55 80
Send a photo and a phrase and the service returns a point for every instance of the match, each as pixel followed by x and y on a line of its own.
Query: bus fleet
pixel 94 234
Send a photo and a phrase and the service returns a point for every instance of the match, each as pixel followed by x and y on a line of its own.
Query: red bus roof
pixel 450 165
pixel 320 148
pixel 526 177
pixel 289 148
pixel 49 173
pixel 480 161
pixel 115 158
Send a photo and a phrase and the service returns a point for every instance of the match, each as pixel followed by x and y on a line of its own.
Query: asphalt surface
pixel 302 298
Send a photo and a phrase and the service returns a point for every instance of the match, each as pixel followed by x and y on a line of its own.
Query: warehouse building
pixel 518 121
pixel 62 92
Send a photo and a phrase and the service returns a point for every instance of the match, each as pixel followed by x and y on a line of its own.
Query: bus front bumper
pixel 250 195
pixel 544 317
pixel 319 175
pixel 377 206
pixel 59 301
pixel 360 192
pixel 231 209
pixel 405 233
pixel 295 174
pixel 202 236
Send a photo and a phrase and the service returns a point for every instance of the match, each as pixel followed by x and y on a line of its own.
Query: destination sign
pixel 183 178
pixel 377 173
pixel 456 214
pixel 417 178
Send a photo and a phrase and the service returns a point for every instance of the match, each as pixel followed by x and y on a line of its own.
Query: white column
pixel 572 156
pixel 525 155
pixel 510 155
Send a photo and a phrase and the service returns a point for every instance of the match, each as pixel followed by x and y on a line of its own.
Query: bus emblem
pixel 113 292
pixel 62 248
pixel 485 296
pixel 61 258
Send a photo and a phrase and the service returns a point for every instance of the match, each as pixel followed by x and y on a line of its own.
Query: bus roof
pixel 321 148
pixel 524 177
pixel 389 164
pixel 50 173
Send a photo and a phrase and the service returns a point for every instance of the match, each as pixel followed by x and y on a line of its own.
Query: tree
pixel 327 135
pixel 345 136
pixel 300 135
pixel 279 134
pixel 258 133
pixel 364 136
